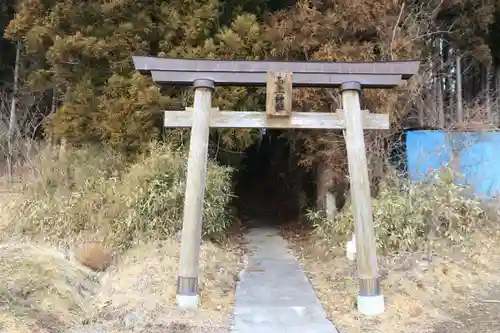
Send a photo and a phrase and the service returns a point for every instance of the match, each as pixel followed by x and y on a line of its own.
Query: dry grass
pixel 421 291
pixel 410 217
pixel 142 285
pixel 47 285
pixel 94 194
pixel 9 197
pixel 438 252
pixel 42 288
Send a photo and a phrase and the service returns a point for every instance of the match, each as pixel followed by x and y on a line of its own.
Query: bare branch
pixel 395 29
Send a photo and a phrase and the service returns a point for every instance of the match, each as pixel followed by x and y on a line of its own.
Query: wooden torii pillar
pixel 279 77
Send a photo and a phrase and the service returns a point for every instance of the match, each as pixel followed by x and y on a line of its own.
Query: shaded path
pixel 274 295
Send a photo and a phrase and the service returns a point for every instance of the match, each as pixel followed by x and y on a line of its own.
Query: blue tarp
pixel 478 164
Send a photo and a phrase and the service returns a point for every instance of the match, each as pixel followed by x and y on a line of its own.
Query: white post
pixel 331 205
pixel 187 283
pixel 370 301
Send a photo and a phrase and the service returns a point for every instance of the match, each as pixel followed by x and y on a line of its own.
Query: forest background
pixel 66 71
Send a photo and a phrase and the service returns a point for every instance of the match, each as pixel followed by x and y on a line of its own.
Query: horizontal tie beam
pixel 257 119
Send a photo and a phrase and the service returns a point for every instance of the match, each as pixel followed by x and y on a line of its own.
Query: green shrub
pixel 408 215
pixel 94 191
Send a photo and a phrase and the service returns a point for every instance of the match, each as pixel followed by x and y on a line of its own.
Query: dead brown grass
pixel 421 290
pixel 72 283
pixel 12 324
pixel 40 284
pixel 43 288
pixel 143 282
pixel 94 194
pixel 9 197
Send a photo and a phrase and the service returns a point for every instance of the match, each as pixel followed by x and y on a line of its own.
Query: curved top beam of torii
pixel 254 72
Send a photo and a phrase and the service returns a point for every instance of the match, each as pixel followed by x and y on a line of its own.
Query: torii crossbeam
pixel 279 78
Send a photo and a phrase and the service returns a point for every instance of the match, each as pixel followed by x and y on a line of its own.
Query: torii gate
pixel 279 77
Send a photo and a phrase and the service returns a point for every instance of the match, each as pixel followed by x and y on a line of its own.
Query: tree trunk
pixel 421 110
pixel 497 93
pixel 438 63
pixel 323 184
pixel 460 107
pixel 487 91
pixel 12 117
pixel 53 109
pixel 54 100
pixel 446 79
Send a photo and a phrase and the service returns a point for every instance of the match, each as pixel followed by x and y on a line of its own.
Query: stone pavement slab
pixel 274 295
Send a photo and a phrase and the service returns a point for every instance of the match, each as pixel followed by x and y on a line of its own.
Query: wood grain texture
pixel 360 187
pixel 195 184
pixel 273 89
pixel 256 119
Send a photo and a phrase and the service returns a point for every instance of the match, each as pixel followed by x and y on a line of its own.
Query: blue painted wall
pixel 478 157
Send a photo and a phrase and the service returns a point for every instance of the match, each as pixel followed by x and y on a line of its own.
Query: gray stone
pixel 273 294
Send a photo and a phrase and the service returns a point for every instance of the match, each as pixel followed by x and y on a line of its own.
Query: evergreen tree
pixel 84 48
pixel 80 52
pixel 7 53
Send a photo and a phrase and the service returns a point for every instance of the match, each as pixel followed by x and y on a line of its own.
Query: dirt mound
pixel 94 256
pixel 41 287
pixel 43 290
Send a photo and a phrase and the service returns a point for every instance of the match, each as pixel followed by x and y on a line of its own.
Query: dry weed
pixel 39 284
pixel 92 191
pixel 143 285
pixel 91 194
pixel 420 291
pixel 409 217
pixel 439 253
pixel 9 198
pixel 11 324
pixel 43 289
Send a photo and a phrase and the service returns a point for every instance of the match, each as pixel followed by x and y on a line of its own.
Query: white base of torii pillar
pixel 187 283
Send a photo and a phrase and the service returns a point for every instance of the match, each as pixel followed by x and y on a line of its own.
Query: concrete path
pixel 274 295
